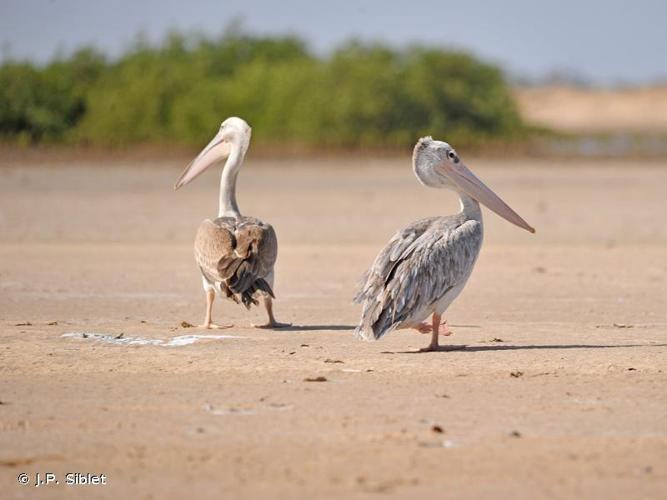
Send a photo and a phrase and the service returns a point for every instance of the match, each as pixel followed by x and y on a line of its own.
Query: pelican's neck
pixel 228 205
pixel 470 207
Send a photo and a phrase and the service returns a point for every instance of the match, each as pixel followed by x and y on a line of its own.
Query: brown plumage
pixel 237 255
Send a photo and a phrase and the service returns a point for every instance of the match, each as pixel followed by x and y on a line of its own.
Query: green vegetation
pixel 361 95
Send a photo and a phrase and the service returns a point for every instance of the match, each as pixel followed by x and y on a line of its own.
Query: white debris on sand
pixel 120 339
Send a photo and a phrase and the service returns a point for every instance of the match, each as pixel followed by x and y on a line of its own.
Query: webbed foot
pixel 423 327
pixel 214 326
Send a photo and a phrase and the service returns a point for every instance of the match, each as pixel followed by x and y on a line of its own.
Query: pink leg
pixel 208 323
pixel 433 346
pixel 272 323
pixel 423 327
pixel 444 330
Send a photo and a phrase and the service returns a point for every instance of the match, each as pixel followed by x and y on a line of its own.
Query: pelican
pixel 235 253
pixel 425 265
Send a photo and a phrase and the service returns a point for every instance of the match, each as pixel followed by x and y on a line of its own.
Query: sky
pixel 605 42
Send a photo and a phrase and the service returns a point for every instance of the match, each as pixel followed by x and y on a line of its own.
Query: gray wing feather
pixel 419 265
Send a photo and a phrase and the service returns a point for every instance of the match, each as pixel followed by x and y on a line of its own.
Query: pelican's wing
pixel 417 268
pixel 237 253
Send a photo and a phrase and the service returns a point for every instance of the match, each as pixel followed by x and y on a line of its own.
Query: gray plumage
pixel 423 265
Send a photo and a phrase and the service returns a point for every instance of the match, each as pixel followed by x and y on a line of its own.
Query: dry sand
pixel 592 110
pixel 560 392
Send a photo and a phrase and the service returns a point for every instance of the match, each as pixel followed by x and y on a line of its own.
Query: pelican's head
pixel 234 133
pixel 235 129
pixel 436 164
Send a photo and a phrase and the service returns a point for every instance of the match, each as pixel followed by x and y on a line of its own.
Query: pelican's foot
pixel 423 327
pixel 214 326
pixel 272 325
pixel 443 348
pixel 444 329
pixel 428 328
pixel 430 348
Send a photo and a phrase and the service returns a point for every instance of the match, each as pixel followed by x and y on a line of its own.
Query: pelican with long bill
pixel 425 266
pixel 235 253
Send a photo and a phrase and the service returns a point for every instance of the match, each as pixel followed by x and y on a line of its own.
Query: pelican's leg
pixel 272 323
pixel 423 327
pixel 210 296
pixel 445 329
pixel 433 346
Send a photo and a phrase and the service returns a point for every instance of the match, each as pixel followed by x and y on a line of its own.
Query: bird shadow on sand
pixel 311 328
pixel 483 348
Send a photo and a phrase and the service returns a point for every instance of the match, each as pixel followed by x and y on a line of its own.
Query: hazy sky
pixel 607 41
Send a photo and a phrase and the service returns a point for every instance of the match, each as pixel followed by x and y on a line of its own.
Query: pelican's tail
pixel 375 322
pixel 248 295
pixel 377 315
pixel 364 333
pixel 245 286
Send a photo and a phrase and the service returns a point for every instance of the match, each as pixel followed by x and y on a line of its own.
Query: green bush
pixel 362 95
pixel 46 103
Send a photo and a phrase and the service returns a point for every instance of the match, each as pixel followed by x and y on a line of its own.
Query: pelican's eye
pixel 452 156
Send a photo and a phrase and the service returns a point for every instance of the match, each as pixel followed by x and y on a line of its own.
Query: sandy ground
pixel 593 110
pixel 560 391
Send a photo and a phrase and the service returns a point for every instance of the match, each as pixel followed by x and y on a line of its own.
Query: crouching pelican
pixel 425 265
pixel 235 253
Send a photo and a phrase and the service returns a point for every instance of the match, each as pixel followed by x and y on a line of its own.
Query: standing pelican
pixel 425 265
pixel 235 253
